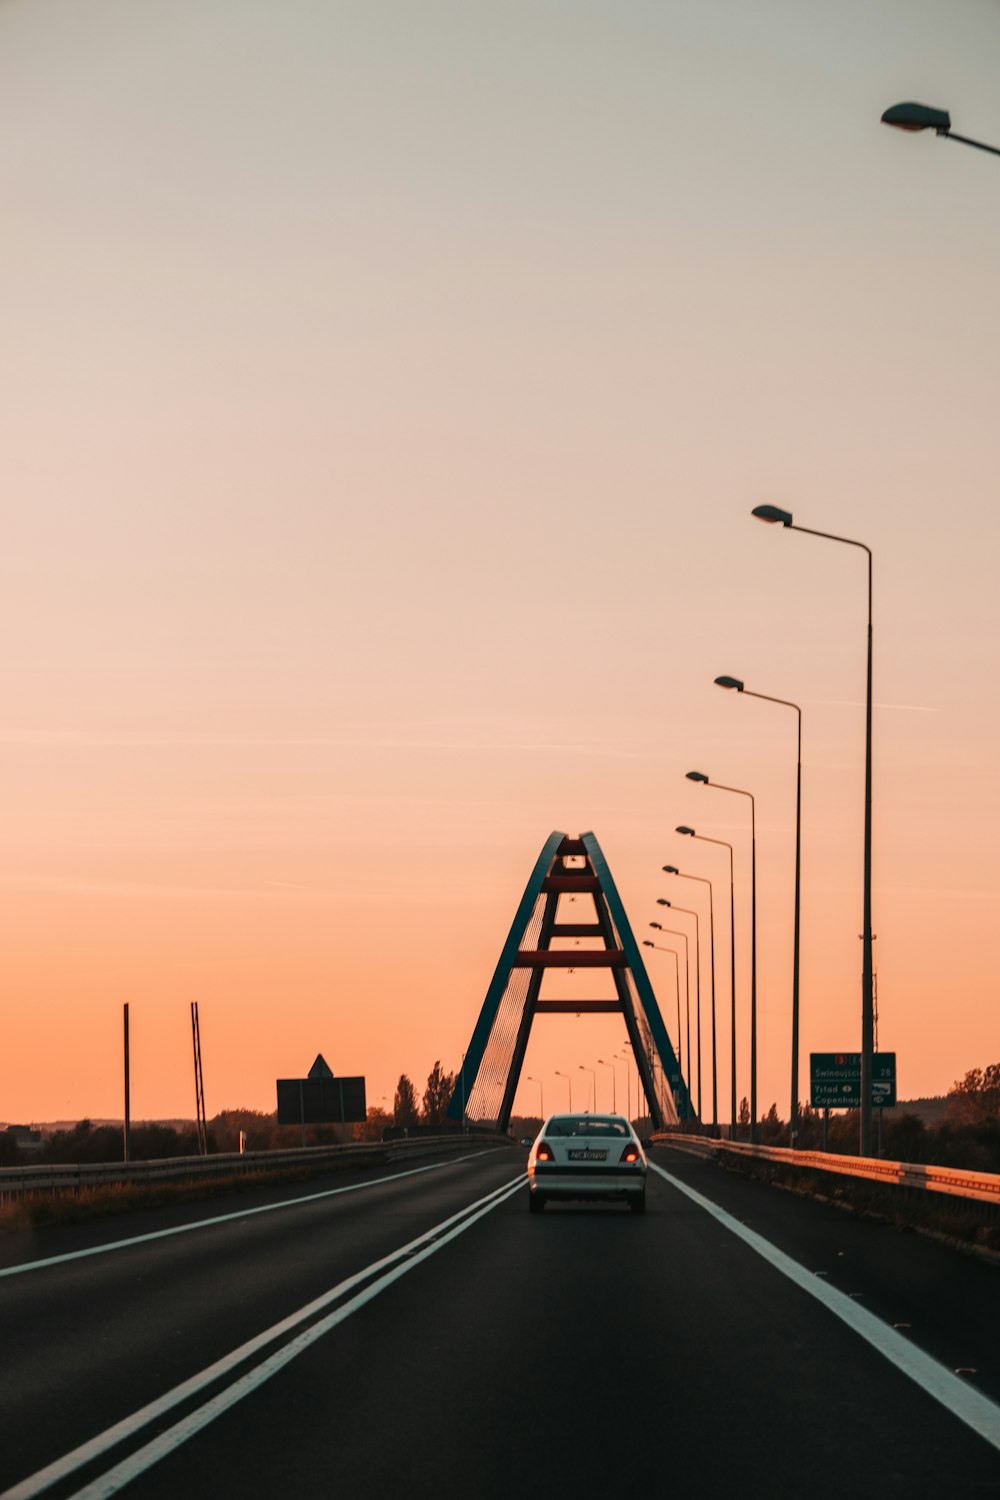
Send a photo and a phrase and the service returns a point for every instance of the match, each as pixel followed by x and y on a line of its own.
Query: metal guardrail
pixel 72 1177
pixel 983 1187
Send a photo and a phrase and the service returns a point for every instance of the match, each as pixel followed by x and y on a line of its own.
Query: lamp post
pixel 541 1096
pixel 702 880
pixel 620 1057
pixel 741 792
pixel 773 514
pixel 569 1087
pixel 676 932
pixel 690 833
pixel 735 683
pixel 614 1099
pixel 915 117
pixel 629 1057
pixel 648 943
pixel 661 901
pixel 593 1075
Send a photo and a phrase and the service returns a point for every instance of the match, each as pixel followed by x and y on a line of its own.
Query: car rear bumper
pixel 587 1182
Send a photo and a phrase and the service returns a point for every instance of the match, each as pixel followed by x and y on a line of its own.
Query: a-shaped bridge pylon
pixel 567 867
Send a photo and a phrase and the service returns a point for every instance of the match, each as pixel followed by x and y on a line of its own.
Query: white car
pixel 587 1156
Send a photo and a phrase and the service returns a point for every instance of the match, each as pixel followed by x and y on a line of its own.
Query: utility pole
pixel 199 1083
pixel 127 1123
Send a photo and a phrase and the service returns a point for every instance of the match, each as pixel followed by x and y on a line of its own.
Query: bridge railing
pixel 983 1187
pixel 70 1177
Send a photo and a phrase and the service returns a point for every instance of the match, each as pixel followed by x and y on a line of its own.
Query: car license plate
pixel 588 1156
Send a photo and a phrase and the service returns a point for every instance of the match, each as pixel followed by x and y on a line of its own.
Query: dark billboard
pixel 321 1101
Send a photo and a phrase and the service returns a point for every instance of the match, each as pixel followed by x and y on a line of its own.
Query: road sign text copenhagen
pixel 835 1080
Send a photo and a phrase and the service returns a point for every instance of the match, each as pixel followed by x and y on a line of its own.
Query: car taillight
pixel 544 1152
pixel 630 1154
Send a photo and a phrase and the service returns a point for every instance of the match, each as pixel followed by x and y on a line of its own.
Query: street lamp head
pixel 729 682
pixel 696 776
pixel 660 901
pixel 646 943
pixel 917 117
pixel 772 513
pixel 657 925
pixel 671 870
pixel 682 828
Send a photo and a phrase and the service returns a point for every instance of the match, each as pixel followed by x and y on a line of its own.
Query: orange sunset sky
pixel 386 389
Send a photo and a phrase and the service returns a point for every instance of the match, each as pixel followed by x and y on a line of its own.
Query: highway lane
pixel 581 1351
pixel 90 1339
pixel 946 1301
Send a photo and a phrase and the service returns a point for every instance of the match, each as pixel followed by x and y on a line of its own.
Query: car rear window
pixel 586 1125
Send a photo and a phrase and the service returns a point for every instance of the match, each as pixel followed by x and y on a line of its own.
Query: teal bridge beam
pixel 566 867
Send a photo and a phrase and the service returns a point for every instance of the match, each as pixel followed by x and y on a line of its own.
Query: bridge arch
pixel 488 1079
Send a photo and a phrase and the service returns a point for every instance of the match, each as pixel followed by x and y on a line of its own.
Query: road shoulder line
pixel 970 1406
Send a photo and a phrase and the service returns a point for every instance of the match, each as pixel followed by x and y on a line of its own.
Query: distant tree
pixel 371 1128
pixel 258 1129
pixel 404 1104
pixel 975 1098
pixel 153 1142
pixel 437 1094
pixel 905 1137
pixel 744 1114
pixel 85 1142
pixel 771 1125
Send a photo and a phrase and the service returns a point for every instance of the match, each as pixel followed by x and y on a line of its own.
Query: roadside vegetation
pixel 87 1142
pixel 962 1131
pixel 966 1134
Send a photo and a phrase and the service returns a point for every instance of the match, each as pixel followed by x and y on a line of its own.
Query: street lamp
pixel 620 1057
pixel 702 838
pixel 673 870
pixel 735 683
pixel 624 1057
pixel 661 901
pixel 915 117
pixel 700 776
pixel 569 1086
pixel 648 943
pixel 593 1074
pixel 541 1097
pixel 676 932
pixel 773 514
pixel 614 1098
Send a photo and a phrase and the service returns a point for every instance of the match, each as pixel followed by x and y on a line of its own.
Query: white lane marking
pixel 242 1213
pixel 404 1258
pixel 970 1406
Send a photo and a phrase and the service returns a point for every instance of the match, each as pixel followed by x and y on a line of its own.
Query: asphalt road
pixel 411 1336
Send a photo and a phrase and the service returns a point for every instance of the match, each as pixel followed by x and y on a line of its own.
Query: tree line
pixel 967 1138
pixel 87 1142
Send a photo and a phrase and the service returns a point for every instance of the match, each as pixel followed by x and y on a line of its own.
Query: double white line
pixel 365 1285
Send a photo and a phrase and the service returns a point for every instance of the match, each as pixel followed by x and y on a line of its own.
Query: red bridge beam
pixel 578 1007
pixel 569 958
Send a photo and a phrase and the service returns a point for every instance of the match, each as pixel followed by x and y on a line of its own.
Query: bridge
pixel 567 870
pixel 403 1329
pixel 403 1322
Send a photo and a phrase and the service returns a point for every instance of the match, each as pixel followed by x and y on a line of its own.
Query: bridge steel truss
pixel 488 1079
